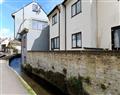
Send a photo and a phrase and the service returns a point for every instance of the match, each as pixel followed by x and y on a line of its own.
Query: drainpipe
pixel 119 10
pixel 97 37
pixel 59 27
pixel 65 28
pixel 22 41
pixel 14 28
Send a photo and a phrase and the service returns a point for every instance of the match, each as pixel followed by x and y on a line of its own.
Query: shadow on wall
pixel 42 42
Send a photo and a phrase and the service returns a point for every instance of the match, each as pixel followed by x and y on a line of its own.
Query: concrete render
pixel 9 81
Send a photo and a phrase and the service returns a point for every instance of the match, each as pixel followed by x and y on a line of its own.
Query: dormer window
pixel 54 19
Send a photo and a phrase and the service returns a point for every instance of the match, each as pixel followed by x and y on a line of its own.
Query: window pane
pixel 74 41
pixel 57 42
pixel 55 18
pixel 52 44
pixel 78 6
pixel 117 38
pixel 79 40
pixel 44 25
pixel 39 25
pixel 73 10
pixel 52 20
pixel 34 24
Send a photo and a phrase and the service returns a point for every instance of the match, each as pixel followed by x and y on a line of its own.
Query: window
pixel 34 24
pixel 76 8
pixel 44 25
pixel 54 19
pixel 76 40
pixel 37 25
pixel 55 43
pixel 117 38
pixel 73 10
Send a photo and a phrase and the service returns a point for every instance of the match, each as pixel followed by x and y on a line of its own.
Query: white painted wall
pixel 62 27
pixel 35 39
pixel 95 22
pixel 54 29
pixel 108 12
pixel 38 40
pixel 84 22
pixel 18 20
pixel 28 15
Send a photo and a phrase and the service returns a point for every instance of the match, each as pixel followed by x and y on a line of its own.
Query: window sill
pixel 76 47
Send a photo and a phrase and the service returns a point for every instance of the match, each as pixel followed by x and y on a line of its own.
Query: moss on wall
pixel 96 72
pixel 72 86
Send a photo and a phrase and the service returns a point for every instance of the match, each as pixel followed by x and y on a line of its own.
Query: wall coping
pixel 114 52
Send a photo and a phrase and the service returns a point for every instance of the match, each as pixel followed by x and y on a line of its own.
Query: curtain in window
pixel 78 7
pixel 73 10
pixel 55 18
pixel 117 38
pixel 74 40
pixel 52 43
pixel 78 40
pixel 57 45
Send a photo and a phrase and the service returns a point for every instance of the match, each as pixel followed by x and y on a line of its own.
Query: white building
pixel 31 23
pixel 4 43
pixel 85 24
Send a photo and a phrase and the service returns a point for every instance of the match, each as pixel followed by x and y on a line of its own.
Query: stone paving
pixel 9 81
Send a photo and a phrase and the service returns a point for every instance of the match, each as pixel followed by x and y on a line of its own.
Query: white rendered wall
pixel 27 14
pixel 62 27
pixel 83 22
pixel 54 29
pixel 108 12
pixel 38 40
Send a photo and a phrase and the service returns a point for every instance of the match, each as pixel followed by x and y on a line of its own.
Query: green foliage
pixel 65 71
pixel 87 80
pixel 75 86
pixel 103 87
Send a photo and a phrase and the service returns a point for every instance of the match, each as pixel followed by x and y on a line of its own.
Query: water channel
pixel 40 86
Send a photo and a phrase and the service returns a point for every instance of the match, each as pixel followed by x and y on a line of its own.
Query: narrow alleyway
pixel 9 81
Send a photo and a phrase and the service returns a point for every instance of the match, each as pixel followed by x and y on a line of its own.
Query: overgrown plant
pixel 75 86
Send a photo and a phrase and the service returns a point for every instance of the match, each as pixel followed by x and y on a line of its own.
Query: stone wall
pixel 94 72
